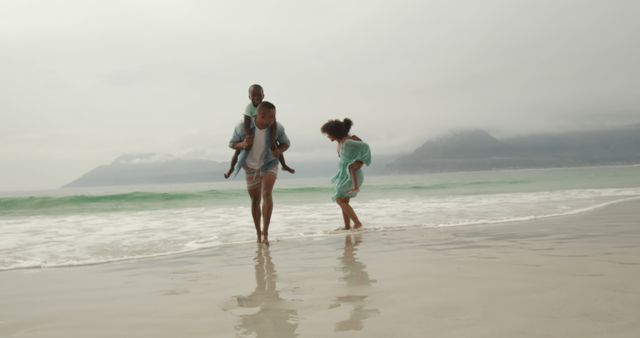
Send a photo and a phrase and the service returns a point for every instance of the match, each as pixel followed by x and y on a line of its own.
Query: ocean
pixel 71 227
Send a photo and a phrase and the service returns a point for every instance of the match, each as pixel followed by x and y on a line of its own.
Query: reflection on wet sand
pixel 272 317
pixel 358 283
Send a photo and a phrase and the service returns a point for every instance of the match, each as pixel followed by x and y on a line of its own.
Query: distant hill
pixel 461 151
pixel 150 168
pixel 478 150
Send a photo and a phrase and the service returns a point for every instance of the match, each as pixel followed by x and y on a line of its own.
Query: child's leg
pixel 234 161
pixel 348 210
pixel 248 132
pixel 285 166
pixel 274 144
pixel 273 130
pixel 347 220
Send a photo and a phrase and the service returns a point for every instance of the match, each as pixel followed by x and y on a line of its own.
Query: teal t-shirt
pixel 251 111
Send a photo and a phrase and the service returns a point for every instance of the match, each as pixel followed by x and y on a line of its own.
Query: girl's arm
pixel 353 168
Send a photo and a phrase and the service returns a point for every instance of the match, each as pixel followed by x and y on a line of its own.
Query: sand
pixel 571 276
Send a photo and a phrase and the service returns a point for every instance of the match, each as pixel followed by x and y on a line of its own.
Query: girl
pixel 353 155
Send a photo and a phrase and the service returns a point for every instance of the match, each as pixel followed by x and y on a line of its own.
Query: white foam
pixel 70 240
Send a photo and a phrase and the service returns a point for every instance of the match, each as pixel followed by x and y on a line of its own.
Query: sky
pixel 83 82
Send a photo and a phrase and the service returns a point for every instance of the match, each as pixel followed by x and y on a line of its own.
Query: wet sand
pixel 572 276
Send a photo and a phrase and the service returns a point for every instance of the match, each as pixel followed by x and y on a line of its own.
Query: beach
pixel 566 276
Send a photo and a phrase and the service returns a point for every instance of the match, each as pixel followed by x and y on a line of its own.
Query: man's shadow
pixel 272 317
pixel 358 283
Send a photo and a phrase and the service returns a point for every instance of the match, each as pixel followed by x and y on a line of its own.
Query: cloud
pixel 89 80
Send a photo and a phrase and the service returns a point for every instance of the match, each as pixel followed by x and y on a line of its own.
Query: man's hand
pixel 248 142
pixel 277 152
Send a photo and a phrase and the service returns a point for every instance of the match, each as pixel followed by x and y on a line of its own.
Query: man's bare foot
pixel 343 228
pixel 289 169
pixel 357 226
pixel 265 241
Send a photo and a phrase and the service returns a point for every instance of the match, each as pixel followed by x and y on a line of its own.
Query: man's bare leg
pixel 254 187
pixel 268 181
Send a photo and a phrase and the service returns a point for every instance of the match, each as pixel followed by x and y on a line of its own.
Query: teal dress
pixel 350 152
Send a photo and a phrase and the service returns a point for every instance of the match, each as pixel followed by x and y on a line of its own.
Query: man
pixel 260 164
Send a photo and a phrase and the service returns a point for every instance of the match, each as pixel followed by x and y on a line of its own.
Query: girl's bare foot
pixel 289 169
pixel 228 173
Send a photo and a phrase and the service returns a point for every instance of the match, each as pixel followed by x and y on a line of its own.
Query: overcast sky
pixel 83 82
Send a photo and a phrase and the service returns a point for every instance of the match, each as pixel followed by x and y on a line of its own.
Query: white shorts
pixel 254 176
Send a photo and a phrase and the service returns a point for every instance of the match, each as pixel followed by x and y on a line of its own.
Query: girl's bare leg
pixel 347 220
pixel 347 209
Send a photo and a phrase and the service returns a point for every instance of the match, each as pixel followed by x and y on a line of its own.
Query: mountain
pixel 461 151
pixel 478 150
pixel 151 168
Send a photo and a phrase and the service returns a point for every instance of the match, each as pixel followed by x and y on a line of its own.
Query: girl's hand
pixel 353 191
pixel 356 138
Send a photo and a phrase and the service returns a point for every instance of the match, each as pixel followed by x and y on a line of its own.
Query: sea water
pixel 68 227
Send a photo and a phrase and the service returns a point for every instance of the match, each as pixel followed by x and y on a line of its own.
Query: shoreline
pixel 555 277
pixel 329 233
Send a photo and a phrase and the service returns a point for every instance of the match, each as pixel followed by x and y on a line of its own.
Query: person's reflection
pixel 272 318
pixel 358 283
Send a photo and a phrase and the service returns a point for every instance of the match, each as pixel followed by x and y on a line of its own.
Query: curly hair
pixel 337 128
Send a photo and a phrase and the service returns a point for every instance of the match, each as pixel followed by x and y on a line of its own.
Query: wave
pixel 16 206
pixel 198 245
pixel 472 184
pixel 114 202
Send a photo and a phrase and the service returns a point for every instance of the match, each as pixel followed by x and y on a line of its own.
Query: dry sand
pixel 573 276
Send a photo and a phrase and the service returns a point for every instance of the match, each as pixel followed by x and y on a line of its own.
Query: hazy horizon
pixel 87 81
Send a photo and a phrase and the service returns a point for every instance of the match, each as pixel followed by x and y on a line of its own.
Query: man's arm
pixel 283 142
pixel 237 141
pixel 242 145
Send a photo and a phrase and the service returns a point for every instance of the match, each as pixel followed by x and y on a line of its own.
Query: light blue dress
pixel 350 152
